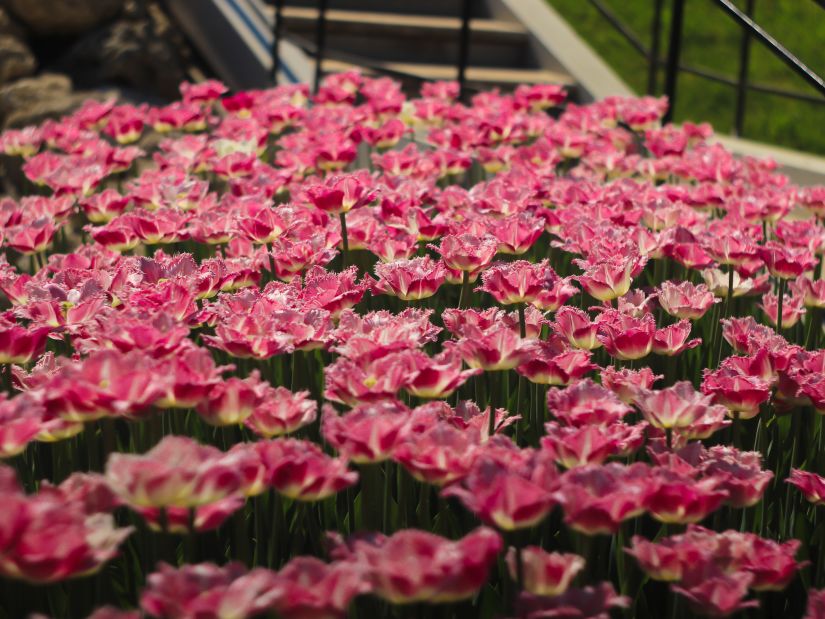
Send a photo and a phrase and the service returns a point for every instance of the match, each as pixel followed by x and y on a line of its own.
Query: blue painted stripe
pixel 258 10
pixel 263 39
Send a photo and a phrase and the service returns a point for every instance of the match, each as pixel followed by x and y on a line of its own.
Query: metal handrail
pixel 319 51
pixel 749 29
pixel 778 50
pixel 309 48
pixel 741 82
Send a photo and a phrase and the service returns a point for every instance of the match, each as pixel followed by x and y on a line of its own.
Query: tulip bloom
pixel 553 365
pixel 205 588
pixel 572 447
pixel 410 280
pixel 434 570
pixel 230 402
pixel 575 325
pixel 439 376
pixel 19 344
pixel 627 383
pixel 792 309
pixel 177 472
pixel 674 498
pixel 308 587
pixel 20 423
pixel 341 194
pixel 525 282
pixel 513 495
pixel 740 394
pixel 466 252
pixel 608 280
pixel 301 471
pixel 811 485
pixel 597 498
pixel 545 573
pixel 369 432
pixel 717 282
pixel 498 348
pixel 678 406
pixel 55 534
pixel 279 411
pixel 685 300
pixel 673 339
pixel 596 602
pixel 625 337
pixel 786 262
pixel 586 403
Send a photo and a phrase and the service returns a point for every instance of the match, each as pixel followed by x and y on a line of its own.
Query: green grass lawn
pixel 711 41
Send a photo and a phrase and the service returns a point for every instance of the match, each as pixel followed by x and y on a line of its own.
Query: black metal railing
pixel 319 52
pixel 672 63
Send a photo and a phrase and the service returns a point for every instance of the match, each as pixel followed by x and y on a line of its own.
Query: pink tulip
pixel 435 570
pixel 301 471
pixel 685 300
pixel 510 492
pixel 277 411
pixel 410 280
pixel 545 573
pixel 177 472
pixel 367 433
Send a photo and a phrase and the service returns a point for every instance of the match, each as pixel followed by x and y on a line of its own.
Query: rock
pixel 135 53
pixel 9 26
pixel 63 17
pixel 16 59
pixel 27 91
pixel 33 99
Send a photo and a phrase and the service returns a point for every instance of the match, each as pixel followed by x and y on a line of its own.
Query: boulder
pixel 16 59
pixel 9 26
pixel 34 99
pixel 134 53
pixel 63 17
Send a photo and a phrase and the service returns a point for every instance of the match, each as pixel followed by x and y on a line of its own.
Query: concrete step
pixel 420 7
pixel 427 38
pixel 485 77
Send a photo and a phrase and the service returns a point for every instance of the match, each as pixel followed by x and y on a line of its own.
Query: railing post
pixel 320 42
pixel 655 47
pixel 742 81
pixel 277 30
pixel 464 48
pixel 674 52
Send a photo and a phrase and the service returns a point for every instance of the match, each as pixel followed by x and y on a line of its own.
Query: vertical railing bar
pixel 464 49
pixel 674 52
pixel 742 81
pixel 320 42
pixel 277 31
pixel 655 48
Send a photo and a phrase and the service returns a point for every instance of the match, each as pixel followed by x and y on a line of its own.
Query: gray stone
pixel 63 17
pixel 32 99
pixel 16 59
pixel 135 53
pixel 9 26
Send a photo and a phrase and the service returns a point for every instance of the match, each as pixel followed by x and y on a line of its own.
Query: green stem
pixel 729 298
pixel 464 299
pixel 342 216
pixel 779 301
pixel 371 499
pixel 814 327
pixel 737 427
pixel 270 250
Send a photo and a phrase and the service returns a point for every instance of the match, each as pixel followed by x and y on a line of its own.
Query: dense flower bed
pixel 356 353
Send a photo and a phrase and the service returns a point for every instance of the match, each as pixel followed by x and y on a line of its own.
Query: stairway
pixel 420 38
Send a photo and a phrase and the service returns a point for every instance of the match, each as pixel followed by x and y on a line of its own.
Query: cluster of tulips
pixel 353 354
